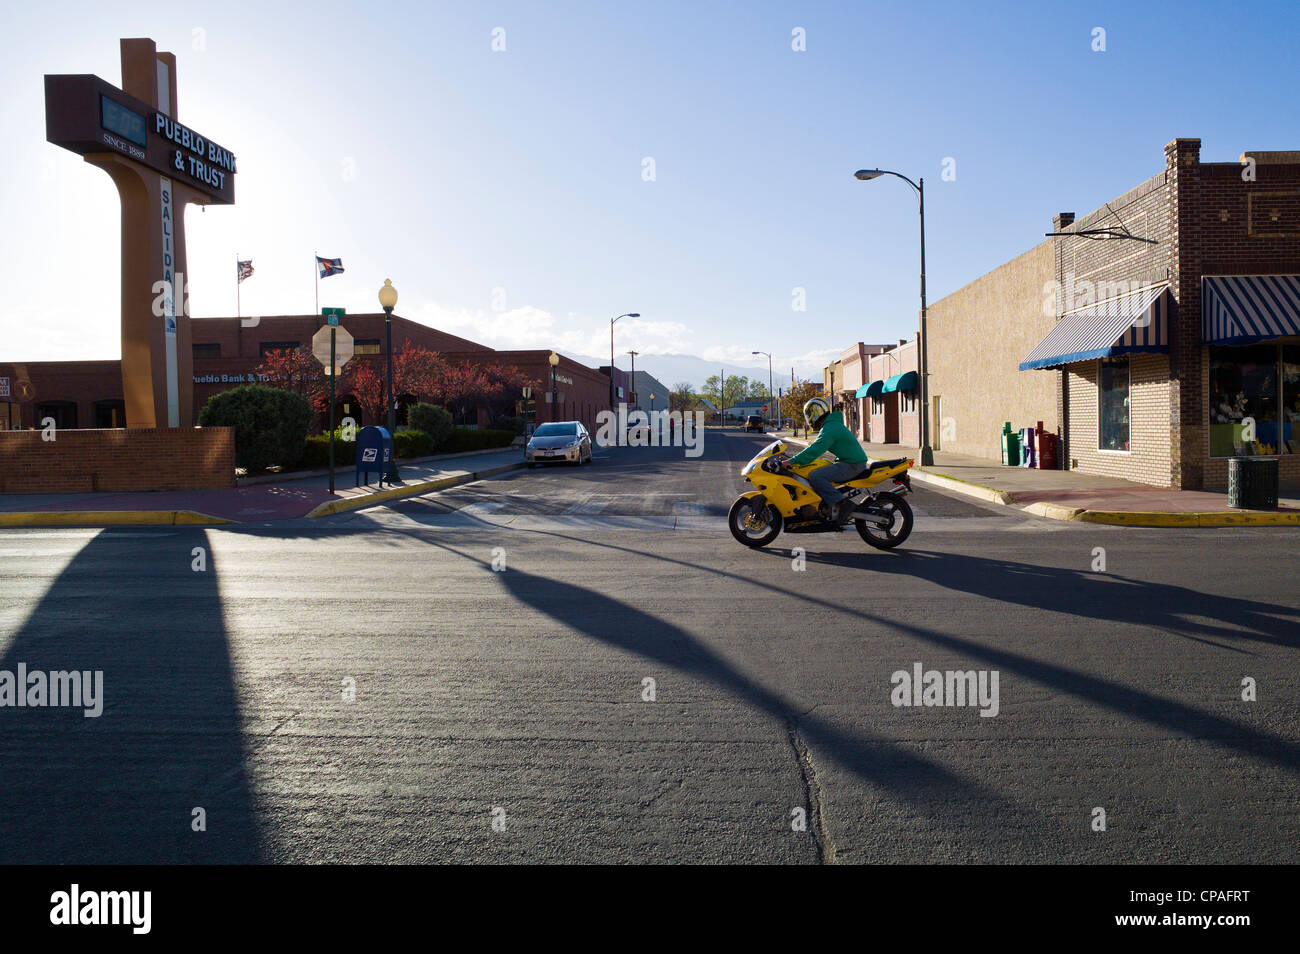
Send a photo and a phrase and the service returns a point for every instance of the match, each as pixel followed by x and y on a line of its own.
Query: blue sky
pixel 504 192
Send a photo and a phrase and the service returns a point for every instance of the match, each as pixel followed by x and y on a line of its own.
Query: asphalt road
pixel 370 688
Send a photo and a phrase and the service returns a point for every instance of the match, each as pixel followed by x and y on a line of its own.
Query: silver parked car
pixel 559 442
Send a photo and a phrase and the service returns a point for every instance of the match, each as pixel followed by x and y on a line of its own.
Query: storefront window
pixel 1113 404
pixel 1244 401
pixel 1290 399
pixel 907 401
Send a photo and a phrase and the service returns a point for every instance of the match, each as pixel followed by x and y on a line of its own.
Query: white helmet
pixel 814 410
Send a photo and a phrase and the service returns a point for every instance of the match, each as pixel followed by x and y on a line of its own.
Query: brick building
pixel 854 373
pixel 226 352
pixel 1157 348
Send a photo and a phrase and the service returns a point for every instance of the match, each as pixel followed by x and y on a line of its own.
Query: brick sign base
pixel 82 461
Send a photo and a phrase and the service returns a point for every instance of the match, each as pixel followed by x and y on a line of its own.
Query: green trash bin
pixel 1252 483
pixel 1010 446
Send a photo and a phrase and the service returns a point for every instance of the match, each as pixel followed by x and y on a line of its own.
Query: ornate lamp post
pixel 555 406
pixel 388 301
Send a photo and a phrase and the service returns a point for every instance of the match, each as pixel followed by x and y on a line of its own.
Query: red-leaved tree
pixel 469 385
pixel 296 370
pixel 416 370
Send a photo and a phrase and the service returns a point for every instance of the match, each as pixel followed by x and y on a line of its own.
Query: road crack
pixel 812 792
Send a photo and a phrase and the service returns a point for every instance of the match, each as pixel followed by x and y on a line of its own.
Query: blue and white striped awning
pixel 1239 309
pixel 1136 322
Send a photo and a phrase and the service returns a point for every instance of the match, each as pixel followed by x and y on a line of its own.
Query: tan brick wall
pixel 79 461
pixel 1148 461
pixel 978 336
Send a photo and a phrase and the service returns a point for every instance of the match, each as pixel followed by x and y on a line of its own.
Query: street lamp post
pixel 555 404
pixel 388 301
pixel 769 378
pixel 631 314
pixel 927 453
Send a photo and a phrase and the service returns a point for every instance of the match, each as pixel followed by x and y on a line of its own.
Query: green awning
pixel 900 382
pixel 869 390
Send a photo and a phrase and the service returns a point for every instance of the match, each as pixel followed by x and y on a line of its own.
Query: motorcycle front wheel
pixel 900 522
pixel 754 529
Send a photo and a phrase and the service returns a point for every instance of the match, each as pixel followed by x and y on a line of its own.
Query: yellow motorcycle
pixel 784 500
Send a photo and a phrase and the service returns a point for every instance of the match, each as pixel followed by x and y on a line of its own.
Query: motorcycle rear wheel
pixel 754 530
pixel 900 527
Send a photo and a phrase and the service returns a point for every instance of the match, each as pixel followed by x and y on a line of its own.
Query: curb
pixel 1004 497
pixel 296 475
pixel 332 507
pixel 108 518
pixel 1210 518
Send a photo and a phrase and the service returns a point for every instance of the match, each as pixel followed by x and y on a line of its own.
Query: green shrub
pixel 316 452
pixel 411 443
pixel 464 439
pixel 270 424
pixel 433 420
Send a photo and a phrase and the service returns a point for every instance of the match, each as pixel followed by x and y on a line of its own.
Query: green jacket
pixel 835 438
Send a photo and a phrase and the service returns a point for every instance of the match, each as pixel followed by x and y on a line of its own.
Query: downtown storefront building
pixel 1158 336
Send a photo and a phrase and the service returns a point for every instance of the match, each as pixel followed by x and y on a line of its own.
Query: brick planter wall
pixel 78 461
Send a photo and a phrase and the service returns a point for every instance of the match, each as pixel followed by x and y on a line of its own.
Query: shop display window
pixel 1290 399
pixel 1113 385
pixel 1244 402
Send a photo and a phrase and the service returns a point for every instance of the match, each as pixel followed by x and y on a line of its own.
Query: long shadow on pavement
pixel 121 788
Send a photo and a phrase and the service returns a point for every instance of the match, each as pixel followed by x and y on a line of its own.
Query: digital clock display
pixel 120 121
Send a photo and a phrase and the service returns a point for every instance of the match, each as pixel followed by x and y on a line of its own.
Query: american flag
pixel 245 269
pixel 329 266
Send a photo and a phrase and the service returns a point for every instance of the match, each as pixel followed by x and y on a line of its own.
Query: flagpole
pixel 315 270
pixel 238 312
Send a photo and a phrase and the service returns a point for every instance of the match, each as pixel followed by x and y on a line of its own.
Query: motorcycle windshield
pixel 773 448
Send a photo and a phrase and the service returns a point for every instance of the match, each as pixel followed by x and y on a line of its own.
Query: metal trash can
pixel 1252 483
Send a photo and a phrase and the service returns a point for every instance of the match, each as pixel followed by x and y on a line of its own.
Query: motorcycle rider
pixel 838 440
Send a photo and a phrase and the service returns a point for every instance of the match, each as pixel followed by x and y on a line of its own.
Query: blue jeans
pixel 823 479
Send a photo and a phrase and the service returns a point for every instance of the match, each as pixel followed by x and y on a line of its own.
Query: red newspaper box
pixel 1045 444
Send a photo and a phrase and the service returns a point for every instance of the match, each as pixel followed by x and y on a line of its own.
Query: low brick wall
pixel 79 461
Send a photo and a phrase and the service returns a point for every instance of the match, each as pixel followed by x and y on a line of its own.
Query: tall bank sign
pixel 159 166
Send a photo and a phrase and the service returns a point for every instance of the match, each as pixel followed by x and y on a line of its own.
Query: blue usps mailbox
pixel 374 451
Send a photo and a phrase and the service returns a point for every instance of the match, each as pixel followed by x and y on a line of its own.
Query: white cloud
pixel 530 327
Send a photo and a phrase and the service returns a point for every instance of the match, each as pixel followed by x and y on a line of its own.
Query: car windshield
pixel 556 430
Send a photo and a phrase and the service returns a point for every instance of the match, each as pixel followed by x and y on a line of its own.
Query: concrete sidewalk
pixel 1070 495
pixel 287 500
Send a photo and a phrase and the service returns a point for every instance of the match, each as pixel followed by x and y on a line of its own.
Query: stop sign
pixel 320 346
